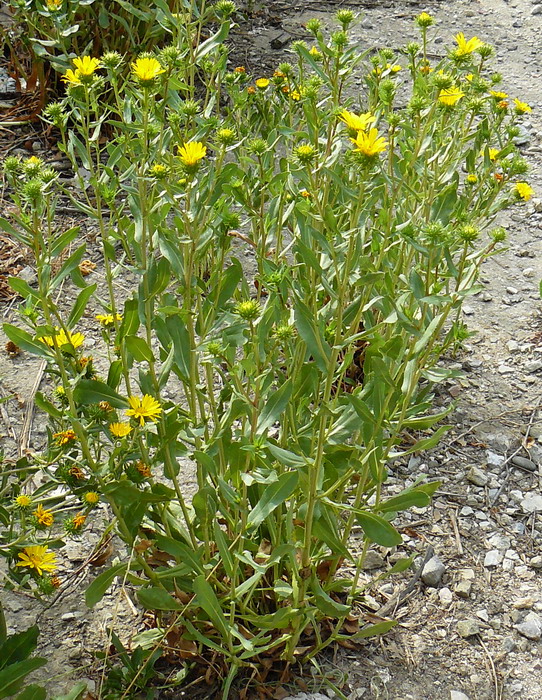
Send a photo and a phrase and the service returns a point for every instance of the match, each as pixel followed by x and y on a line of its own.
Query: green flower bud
pixel 424 20
pixel 314 26
pixel 340 39
pixel 413 48
pixel 257 146
pixel 225 8
pixel 498 234
pixel 111 60
pixel 345 18
pixel 12 165
pixel 226 136
pixel 468 233
pixel 248 310
pixel 305 153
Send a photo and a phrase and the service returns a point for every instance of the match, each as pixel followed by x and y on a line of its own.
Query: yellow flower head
pixel 38 558
pixel 142 408
pixel 86 66
pixel 53 5
pixel 71 77
pixel 44 517
pixel 451 96
pixel 524 191
pixel 356 122
pixel 108 319
pixel 395 68
pixel 64 437
pixel 191 153
pixel 464 47
pixel 491 152
pixel 23 501
pixel 522 107
pixel 120 430
pixel 295 95
pixel 74 339
pixel 370 144
pixel 91 498
pixel 79 520
pixel 262 83
pixel 314 52
pixel 499 96
pixel 146 70
pixel 424 20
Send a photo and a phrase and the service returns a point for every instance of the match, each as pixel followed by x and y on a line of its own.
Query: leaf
pixel 71 263
pixel 12 677
pixel 90 391
pixel 18 647
pixel 316 344
pixel 97 589
pixel 208 601
pixel 75 692
pixel 158 599
pixel 378 530
pixel 325 602
pixel 213 41
pixel 180 551
pixel 373 630
pixel 274 407
pixel 25 341
pixel 22 288
pixel 47 406
pixel 404 501
pixel 33 692
pixel 139 348
pixel 273 496
pixel 181 344
pixel 80 305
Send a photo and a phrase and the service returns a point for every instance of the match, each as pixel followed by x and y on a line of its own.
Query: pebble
pixel 524 463
pixel 467 628
pixel 531 627
pixel 536 562
pixel 533 366
pixel 477 476
pixel 499 541
pixel 532 502
pixel 446 596
pixel 373 560
pixel 458 695
pixel 463 589
pixel 524 603
pixel 493 558
pixel 433 572
pixel 494 459
pixel 537 10
pixel 509 644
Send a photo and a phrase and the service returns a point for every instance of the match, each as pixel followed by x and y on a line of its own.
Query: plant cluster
pixel 287 383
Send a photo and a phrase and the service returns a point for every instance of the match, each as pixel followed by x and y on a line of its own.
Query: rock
pixel 532 502
pixel 524 603
pixel 373 560
pixel 528 272
pixel 28 275
pixel 533 366
pixel 531 627
pixel 536 562
pixel 446 597
pixel 498 541
pixel 477 477
pixel 468 628
pixel 512 290
pixel 466 511
pixel 494 459
pixel 524 463
pixel 458 695
pixel 524 137
pixel 537 10
pixel 463 588
pixel 493 558
pixel 433 572
pixel 509 644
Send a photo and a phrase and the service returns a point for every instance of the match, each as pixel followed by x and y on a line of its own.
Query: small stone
pixel 537 10
pixel 524 463
pixel 524 137
pixel 528 272
pixel 67 616
pixel 467 628
pixel 373 560
pixel 512 345
pixel 468 310
pixel 477 477
pixel 533 366
pixel 433 572
pixel 446 596
pixel 494 459
pixel 466 511
pixel 524 603
pixel 28 275
pixel 493 558
pixel 536 562
pixel 537 205
pixel 532 502
pixel 509 644
pixel 486 296
pixel 458 695
pixel 531 627
pixel 463 588
pixel 499 541
pixel 512 290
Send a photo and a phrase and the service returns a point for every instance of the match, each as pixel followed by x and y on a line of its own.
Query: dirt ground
pixel 472 629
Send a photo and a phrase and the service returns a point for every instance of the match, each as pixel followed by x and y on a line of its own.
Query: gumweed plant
pixel 301 259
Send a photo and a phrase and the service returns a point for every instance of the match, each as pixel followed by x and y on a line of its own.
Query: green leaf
pixel 274 495
pixel 12 677
pixel 75 692
pixel 373 630
pixel 326 604
pixel 80 305
pixel 213 41
pixel 22 288
pixel 223 549
pixel 180 551
pixel 274 407
pixel 71 263
pixel 208 601
pixel 157 599
pixel 47 406
pixel 63 241
pixel 378 530
pixel 33 692
pixel 25 341
pixel 130 318
pixel 97 589
pixel 90 391
pixel 14 233
pixel 308 331
pixel 420 496
pixel 181 344
pixel 139 348
pixel 18 647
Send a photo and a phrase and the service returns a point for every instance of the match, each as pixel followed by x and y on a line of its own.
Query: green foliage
pixel 287 384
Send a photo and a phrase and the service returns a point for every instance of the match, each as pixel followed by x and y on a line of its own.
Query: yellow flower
pixel 464 47
pixel 23 501
pixel 524 191
pixel 295 95
pixel 91 498
pixel 75 339
pixel 356 122
pixel 53 5
pixel 79 520
pixel 469 77
pixel 64 436
pixel 314 52
pixel 120 429
pixel 262 83
pixel 146 407
pixel 72 77
pixel 498 95
pixel 424 20
pixel 394 69
pixel 37 557
pixel 450 96
pixel 472 178
pixel 492 153
pixel 370 144
pixel 146 70
pixel 192 152
pixel 44 517
pixel 521 107
pixel 108 319
pixel 86 66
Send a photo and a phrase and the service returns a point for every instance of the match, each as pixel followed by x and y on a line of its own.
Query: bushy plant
pixel 301 260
